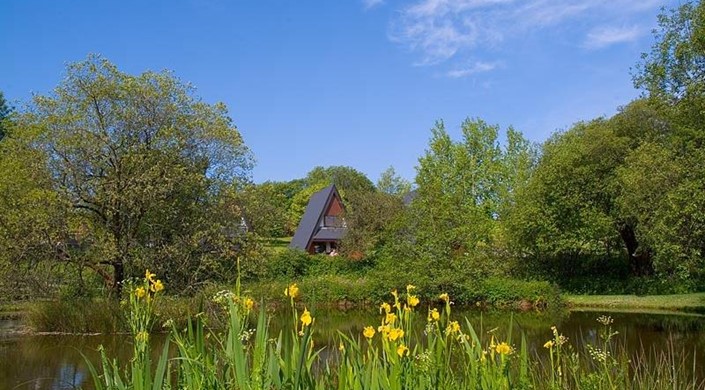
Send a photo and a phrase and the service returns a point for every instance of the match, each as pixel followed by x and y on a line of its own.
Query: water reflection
pixel 56 361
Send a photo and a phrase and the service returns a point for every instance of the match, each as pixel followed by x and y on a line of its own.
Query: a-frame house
pixel 322 225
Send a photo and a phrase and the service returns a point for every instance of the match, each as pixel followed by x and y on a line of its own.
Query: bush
pixel 510 292
pixel 291 264
pixel 287 265
pixel 322 289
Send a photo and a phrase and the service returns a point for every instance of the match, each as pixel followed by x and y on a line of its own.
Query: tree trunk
pixel 118 276
pixel 639 259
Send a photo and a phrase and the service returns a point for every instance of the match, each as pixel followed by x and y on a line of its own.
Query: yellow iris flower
pixel 503 349
pixel 434 315
pixel 292 291
pixel 402 350
pixel 395 334
pixel 157 286
pixel 306 318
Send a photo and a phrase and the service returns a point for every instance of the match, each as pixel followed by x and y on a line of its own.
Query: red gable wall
pixel 335 208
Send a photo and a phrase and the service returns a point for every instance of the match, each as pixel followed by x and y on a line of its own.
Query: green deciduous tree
pixel 577 202
pixel 368 217
pixel 33 223
pixel 265 207
pixel 391 183
pixel 675 66
pixel 142 162
pixel 453 231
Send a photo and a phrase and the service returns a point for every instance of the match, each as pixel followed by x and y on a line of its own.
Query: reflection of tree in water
pixel 69 377
pixel 649 336
pixel 55 361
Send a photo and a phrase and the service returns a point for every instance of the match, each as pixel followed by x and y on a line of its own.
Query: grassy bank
pixel 694 302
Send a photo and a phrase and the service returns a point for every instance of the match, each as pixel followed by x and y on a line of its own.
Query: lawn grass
pixel 277 244
pixel 694 302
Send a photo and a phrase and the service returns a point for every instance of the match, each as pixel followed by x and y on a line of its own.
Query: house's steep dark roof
pixel 309 222
pixel 329 234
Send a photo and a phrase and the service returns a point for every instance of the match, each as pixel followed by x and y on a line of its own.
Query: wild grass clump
pixel 393 354
pixel 76 316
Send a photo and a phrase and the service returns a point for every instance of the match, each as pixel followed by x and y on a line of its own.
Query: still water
pixel 57 361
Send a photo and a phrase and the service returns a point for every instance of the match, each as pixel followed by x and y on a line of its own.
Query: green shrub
pixel 287 265
pixel 509 292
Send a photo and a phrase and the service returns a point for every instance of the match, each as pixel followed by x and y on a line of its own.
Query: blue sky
pixel 356 82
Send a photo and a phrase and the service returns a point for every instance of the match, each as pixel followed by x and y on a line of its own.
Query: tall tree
pixel 572 207
pixel 391 183
pixel 668 200
pixel 675 66
pixel 454 228
pixel 134 156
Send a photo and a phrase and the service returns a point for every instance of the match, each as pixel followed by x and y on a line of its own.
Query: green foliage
pixel 674 66
pixel 391 183
pixel 503 292
pixel 369 216
pixel 567 205
pixel 33 223
pixel 266 205
pixel 143 173
pixel 288 264
pixel 292 264
pixel 465 190
pixel 346 179
pixel 577 202
pixel 453 234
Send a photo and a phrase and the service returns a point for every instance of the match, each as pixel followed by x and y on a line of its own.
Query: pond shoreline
pixel 677 303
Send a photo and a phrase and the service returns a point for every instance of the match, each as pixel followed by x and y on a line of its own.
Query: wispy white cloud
pixel 371 3
pixel 604 36
pixel 477 67
pixel 439 30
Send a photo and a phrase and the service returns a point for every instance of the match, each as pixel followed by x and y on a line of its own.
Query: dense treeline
pixel 113 173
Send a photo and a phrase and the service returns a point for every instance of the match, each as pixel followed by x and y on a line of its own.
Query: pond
pixel 32 361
